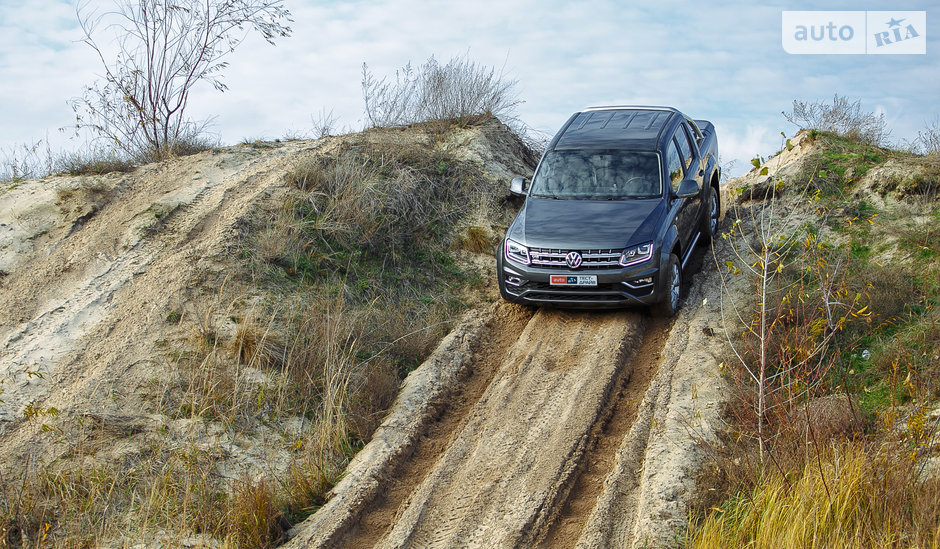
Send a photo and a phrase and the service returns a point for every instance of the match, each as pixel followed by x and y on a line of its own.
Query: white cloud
pixel 737 148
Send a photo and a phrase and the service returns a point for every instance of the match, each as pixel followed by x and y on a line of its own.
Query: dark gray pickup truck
pixel 618 202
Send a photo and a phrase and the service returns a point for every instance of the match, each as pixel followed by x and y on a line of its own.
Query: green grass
pixel 840 162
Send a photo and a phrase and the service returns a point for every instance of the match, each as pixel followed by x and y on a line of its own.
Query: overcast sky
pixel 721 61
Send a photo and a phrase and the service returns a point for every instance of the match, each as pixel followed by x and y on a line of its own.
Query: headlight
pixel 517 252
pixel 638 254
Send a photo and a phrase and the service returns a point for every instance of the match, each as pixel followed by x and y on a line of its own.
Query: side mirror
pixel 517 186
pixel 687 189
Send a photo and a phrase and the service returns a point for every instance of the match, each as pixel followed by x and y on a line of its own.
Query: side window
pixel 673 165
pixel 685 148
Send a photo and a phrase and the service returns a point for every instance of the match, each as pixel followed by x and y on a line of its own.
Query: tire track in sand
pixel 502 478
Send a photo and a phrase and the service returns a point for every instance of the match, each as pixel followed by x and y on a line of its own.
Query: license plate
pixel 574 280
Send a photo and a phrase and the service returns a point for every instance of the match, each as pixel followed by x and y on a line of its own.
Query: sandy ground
pixel 82 294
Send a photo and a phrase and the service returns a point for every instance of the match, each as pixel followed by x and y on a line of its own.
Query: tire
pixel 672 290
pixel 712 213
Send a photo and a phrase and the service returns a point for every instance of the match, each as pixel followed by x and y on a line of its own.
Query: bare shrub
pixel 928 139
pixel 461 90
pixel 323 124
pixel 791 335
pixel 163 50
pixel 842 117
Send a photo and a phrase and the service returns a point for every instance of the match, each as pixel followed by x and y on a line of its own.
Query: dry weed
pixel 857 496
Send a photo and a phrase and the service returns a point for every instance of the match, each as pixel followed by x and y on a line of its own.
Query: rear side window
pixel 685 148
pixel 673 164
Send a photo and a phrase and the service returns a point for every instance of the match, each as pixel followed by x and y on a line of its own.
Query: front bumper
pixel 637 285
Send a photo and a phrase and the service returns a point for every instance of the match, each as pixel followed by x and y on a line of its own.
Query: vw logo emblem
pixel 573 259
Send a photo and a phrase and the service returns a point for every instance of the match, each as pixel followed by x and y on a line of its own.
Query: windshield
pixel 598 175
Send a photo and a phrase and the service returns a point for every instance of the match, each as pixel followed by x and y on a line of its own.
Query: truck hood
pixel 586 224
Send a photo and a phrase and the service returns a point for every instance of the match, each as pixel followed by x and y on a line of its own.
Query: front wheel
pixel 672 290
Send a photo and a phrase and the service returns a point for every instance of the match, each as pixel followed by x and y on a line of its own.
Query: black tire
pixel 712 214
pixel 672 290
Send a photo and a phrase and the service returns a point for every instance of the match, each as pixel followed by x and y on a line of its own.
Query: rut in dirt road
pixel 505 474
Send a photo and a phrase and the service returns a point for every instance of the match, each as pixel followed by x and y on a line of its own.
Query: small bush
pixel 842 117
pixel 928 139
pixel 461 90
pixel 94 163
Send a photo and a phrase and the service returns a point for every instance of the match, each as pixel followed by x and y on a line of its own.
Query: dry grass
pixel 178 487
pixel 27 161
pixel 95 162
pixel 478 239
pixel 855 496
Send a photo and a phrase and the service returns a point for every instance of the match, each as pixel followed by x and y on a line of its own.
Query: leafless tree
pixel 786 341
pixel 163 49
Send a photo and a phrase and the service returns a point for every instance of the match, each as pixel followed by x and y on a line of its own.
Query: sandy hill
pixel 111 285
pixel 192 353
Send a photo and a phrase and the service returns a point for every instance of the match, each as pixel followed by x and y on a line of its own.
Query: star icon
pixel 894 22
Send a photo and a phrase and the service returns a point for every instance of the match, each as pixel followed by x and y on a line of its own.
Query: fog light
pixel 639 282
pixel 514 280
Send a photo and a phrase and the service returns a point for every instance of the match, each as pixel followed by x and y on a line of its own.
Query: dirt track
pixel 536 430
pixel 513 458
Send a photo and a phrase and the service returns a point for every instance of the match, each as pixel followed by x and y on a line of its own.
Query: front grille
pixel 592 259
pixel 556 296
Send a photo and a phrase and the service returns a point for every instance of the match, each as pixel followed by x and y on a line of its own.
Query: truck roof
pixel 617 127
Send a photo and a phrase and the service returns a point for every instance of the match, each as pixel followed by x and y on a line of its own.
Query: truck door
pixel 680 166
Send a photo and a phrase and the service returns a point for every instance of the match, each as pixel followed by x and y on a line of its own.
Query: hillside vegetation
pixel 832 435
